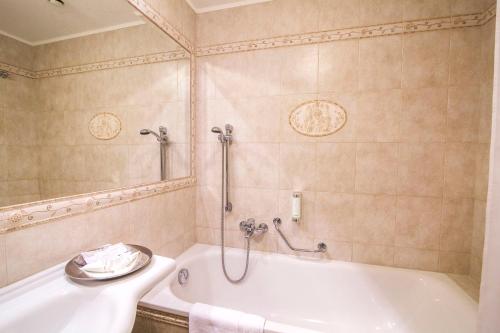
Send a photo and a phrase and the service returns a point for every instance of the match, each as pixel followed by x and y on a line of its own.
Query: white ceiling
pixel 203 6
pixel 38 22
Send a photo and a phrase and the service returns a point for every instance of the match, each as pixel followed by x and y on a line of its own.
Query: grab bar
pixel 321 246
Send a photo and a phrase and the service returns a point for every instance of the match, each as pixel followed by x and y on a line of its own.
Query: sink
pixel 51 302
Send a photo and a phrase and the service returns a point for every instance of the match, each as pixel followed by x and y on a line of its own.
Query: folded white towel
pixel 205 318
pixel 109 259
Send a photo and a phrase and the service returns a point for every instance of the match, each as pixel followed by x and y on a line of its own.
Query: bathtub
pixel 306 295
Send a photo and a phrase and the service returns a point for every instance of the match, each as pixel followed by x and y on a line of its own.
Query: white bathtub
pixel 301 295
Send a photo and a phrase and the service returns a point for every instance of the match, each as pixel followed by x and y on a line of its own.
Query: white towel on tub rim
pixel 204 318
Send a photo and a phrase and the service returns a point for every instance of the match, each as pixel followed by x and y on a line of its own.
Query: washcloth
pixel 205 318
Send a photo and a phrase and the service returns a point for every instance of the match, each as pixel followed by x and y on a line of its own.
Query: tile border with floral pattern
pixel 451 22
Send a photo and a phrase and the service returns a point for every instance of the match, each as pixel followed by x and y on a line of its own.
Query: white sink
pixel 50 302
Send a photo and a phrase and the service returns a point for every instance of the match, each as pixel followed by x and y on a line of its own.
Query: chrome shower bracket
pixel 321 247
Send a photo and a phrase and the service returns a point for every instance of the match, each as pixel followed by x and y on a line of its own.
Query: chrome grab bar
pixel 321 246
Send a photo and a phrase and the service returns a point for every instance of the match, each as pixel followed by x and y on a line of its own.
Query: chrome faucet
pixel 249 228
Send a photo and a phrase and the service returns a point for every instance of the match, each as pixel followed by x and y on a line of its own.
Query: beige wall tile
pixel 334 214
pixel 230 75
pixel 456 229
pixel 424 115
pixel 43 246
pixel 380 11
pixel 263 73
pixel 378 116
pixel 421 169
pixel 462 116
pixel 419 9
pixel 465 56
pixel 208 206
pixel 335 167
pixel 299 69
pixel 485 112
pixel 255 165
pixel 465 6
pixel 246 116
pixel 107 226
pixel 335 14
pixel 376 168
pixel 338 66
pixel 374 219
pixel 416 259
pixel 297 166
pixel 373 254
pixel 418 221
pixel 454 262
pixel 425 59
pixel 482 168
pixel 476 265
pixel 337 250
pixel 478 228
pixel 459 165
pixel 380 63
pixel 295 16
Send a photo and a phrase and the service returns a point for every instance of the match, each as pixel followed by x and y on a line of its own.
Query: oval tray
pixel 74 272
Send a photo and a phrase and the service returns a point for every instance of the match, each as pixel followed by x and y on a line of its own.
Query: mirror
pixel 93 97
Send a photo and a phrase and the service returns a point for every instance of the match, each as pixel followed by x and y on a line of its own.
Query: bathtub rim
pixel 162 299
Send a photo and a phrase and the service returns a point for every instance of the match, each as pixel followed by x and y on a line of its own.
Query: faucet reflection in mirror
pixel 162 138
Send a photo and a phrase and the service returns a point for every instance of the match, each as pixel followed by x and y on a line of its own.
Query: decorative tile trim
pixel 162 316
pixel 112 64
pixel 27 215
pixel 98 66
pixel 461 21
pixel 160 21
pixel 17 70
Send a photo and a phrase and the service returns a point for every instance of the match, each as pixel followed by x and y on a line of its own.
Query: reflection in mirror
pixel 78 86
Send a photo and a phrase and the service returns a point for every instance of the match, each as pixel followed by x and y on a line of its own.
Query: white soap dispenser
pixel 296 206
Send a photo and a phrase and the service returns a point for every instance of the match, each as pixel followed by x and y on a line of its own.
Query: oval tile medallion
pixel 105 126
pixel 318 118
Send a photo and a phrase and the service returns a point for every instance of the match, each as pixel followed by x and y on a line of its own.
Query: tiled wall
pixel 18 128
pixel 165 222
pixel 397 185
pixel 483 149
pixel 58 155
pixel 144 96
pixel 488 319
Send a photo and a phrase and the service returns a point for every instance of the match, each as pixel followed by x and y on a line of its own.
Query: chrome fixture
pixel 320 248
pixel 163 140
pixel 183 276
pixel 249 229
pixel 248 226
pixel 225 139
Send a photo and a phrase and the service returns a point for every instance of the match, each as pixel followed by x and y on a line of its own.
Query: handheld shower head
pixel 144 131
pixel 216 130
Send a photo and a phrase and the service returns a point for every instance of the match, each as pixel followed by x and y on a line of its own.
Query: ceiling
pixel 203 6
pixel 36 22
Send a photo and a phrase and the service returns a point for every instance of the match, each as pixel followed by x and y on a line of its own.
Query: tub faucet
pixel 249 228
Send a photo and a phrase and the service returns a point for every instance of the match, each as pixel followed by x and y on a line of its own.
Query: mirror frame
pixel 24 215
